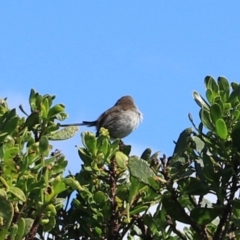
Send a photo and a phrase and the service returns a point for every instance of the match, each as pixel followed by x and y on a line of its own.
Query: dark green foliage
pixel 30 177
pixel 111 195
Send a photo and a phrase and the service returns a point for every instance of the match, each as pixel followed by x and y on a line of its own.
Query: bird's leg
pixel 121 145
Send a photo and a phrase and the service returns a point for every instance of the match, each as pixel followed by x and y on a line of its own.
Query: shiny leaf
pixel 140 169
pixel 205 117
pixel 221 129
pixel 200 100
pixel 121 160
pixel 215 112
pixel 63 134
pixel 205 216
pixel 43 144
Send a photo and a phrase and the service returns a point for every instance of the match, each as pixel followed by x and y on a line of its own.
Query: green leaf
pixel 3 136
pixel 61 116
pixel 227 107
pixel 39 99
pixel 221 129
pixel 5 121
pixel 32 100
pixel 172 207
pixel 29 223
pixel 185 202
pixel 134 189
pixel 180 168
pixel 209 172
pixel 146 154
pixel 215 112
pixel 10 114
pixel 11 125
pixel 6 212
pixel 59 186
pixel 50 99
pixel 205 117
pixel 219 101
pixel 226 174
pixel 43 144
pixel 21 229
pixel 236 114
pixel 114 147
pixel 183 141
pixel 140 169
pixel 210 83
pixel 3 193
pixel 74 184
pixel 192 186
pixel 138 210
pixel 43 111
pixel 98 231
pixel 223 84
pixel 236 207
pixel 127 149
pixel 32 120
pixel 200 100
pixel 3 103
pixel 155 156
pixel 10 153
pixel 235 93
pixel 51 128
pixel 205 216
pixel 55 110
pixel 154 182
pixel 63 134
pixel 49 226
pixel 234 85
pixel 46 103
pixel 100 197
pixel 17 192
pixel 199 144
pixel 199 169
pixel 236 203
pixel 51 209
pixel 209 95
pixel 103 145
pixel 13 231
pixel 86 158
pixel 121 160
pixel 4 183
pixel 236 136
pixel 224 96
pixel 90 142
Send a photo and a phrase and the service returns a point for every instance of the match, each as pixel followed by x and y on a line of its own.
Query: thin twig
pixel 192 200
pixel 113 225
pixel 224 222
pixel 198 229
pixel 222 228
pixel 146 234
pixel 34 228
pixel 174 229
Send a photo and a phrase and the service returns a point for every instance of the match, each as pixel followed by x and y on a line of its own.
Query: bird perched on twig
pixel 120 120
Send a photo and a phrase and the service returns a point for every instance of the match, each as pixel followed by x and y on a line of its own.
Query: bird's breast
pixel 123 123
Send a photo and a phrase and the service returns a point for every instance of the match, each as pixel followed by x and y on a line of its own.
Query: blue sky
pixel 90 53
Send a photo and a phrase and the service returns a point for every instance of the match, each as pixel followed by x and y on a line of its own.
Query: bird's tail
pixel 84 123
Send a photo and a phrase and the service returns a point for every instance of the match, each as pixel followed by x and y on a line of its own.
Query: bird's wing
pixel 105 119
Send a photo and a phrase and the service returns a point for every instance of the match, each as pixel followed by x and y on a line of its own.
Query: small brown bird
pixel 120 120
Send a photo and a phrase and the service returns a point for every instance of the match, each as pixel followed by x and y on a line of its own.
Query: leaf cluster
pixel 31 177
pixel 113 194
